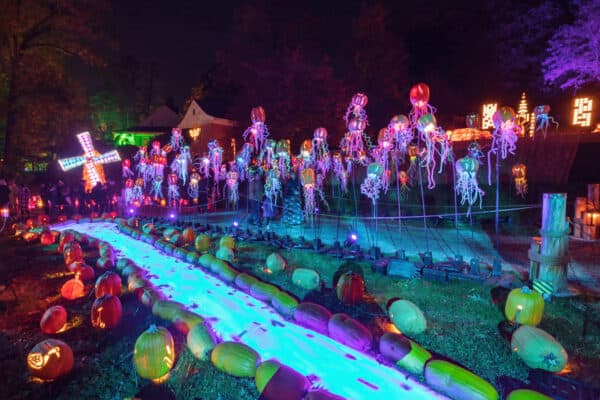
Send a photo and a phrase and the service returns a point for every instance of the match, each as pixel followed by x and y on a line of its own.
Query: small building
pixel 161 121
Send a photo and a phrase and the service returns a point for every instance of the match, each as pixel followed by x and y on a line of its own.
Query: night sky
pixel 451 45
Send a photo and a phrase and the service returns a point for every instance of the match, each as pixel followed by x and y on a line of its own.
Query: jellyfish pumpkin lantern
pixel 231 183
pixel 320 151
pixel 519 172
pixel 543 119
pixel 466 184
pixel 352 144
pixel 308 186
pixel 504 137
pixel 173 189
pixel 437 147
pixel 258 132
pixel 419 98
pixel 373 183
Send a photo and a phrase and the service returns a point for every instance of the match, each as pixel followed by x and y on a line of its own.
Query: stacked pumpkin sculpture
pixel 537 348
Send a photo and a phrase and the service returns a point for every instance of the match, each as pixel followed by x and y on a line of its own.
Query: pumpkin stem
pixel 525 289
pixel 152 329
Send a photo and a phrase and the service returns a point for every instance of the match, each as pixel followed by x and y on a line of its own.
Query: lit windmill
pixel 91 160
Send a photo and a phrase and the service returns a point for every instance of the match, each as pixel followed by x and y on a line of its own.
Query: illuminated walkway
pixel 237 316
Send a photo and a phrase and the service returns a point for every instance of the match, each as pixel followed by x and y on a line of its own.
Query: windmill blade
pixel 111 156
pixel 93 175
pixel 86 143
pixel 71 162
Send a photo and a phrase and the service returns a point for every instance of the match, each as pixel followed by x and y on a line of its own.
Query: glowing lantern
pixel 106 312
pixel 427 123
pixel 53 320
pixel 154 354
pixel 258 114
pixel 194 133
pixel 72 289
pixel 308 177
pixel 487 112
pixel 50 359
pixel 306 149
pixel 519 172
pixel 582 112
pixel 47 237
pixel 419 95
pixel 92 161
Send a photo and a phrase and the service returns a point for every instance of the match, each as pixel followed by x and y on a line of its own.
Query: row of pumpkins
pixel 52 358
pixel 446 377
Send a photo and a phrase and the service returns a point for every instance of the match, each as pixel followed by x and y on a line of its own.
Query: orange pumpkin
pixel 62 218
pixel 106 312
pixel 72 289
pixel 350 288
pixel 72 252
pixel 53 320
pixel 50 359
pixel 47 237
pixel 189 236
pixel 43 219
pixel 86 273
pixel 108 283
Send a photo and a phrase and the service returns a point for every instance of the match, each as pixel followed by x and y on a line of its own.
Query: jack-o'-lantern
pixel 72 252
pixel 106 312
pixel 50 359
pixel 154 354
pixel 350 288
pixel 108 283
pixel 53 320
pixel 47 237
pixel 72 289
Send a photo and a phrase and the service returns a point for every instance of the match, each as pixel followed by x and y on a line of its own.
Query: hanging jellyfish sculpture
pixel 403 178
pixel 381 155
pixel 419 98
pixel 504 137
pixel 267 155
pixel 437 147
pixel 126 169
pixel 474 151
pixel 137 194
pixel 542 119
pixel 372 185
pixel 257 133
pixel 177 141
pixel 173 190
pixel 273 187
pixel 519 172
pixel 184 159
pixel 156 190
pixel 202 165
pixel 283 158
pixel 232 184
pixel 194 186
pixel 466 184
pixel 215 154
pixel 320 151
pixel 401 133
pixel 337 166
pixel 413 156
pixel 307 178
pixel 243 160
pixel 352 144
pixel 155 150
pixel 128 191
pixel 141 154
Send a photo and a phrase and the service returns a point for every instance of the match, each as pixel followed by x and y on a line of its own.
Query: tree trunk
pixel 10 156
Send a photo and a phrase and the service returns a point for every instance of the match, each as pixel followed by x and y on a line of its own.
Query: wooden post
pixel 593 196
pixel 580 208
pixel 554 249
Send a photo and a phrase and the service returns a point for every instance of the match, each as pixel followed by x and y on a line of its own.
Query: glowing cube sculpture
pixel 91 160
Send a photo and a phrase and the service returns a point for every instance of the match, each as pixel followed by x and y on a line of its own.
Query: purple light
pixel 131 211
pixel 353 237
pixel 172 216
pixel 236 224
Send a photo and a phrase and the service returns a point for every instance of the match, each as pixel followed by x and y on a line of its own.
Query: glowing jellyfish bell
pixel 306 149
pixel 360 100
pixel 357 124
pixel 374 170
pixel 427 123
pixel 399 123
pixel 383 139
pixel 320 134
pixel 419 95
pixel 504 118
pixel 258 115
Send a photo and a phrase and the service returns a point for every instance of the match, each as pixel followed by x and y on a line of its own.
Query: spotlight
pixel 131 211
pixel 235 224
pixel 4 213
pixel 172 215
pixel 353 237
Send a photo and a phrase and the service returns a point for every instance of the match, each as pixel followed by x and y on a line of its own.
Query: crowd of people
pixel 56 198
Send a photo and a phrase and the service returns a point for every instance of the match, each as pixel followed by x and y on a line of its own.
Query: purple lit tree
pixel 574 51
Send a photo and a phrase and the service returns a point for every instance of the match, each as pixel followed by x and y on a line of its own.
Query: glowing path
pixel 237 316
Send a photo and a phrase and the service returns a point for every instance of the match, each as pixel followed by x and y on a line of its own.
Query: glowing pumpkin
pixel 275 263
pixel 225 254
pixel 72 252
pixel 106 312
pixel 108 283
pixel 189 236
pixel 72 289
pixel 456 382
pixel 53 320
pixel 350 288
pixel 227 241
pixel 236 359
pixel 524 306
pixel 350 332
pixel 407 317
pixel 50 359
pixel 30 236
pixel 202 243
pixel 154 354
pixel 245 281
pixel 405 353
pixel 526 394
pixel 47 237
pixel 538 349
pixel 86 273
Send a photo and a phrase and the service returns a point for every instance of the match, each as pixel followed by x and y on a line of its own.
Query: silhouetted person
pixel 4 194
pixel 23 195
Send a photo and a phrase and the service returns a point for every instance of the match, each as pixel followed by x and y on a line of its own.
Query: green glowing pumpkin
pixel 236 359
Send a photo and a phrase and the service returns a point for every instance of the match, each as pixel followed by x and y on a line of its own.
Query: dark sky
pixel 448 41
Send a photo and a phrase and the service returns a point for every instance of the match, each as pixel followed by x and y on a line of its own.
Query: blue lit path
pixel 234 315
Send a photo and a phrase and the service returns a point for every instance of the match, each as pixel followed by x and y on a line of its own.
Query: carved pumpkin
pixel 350 288
pixel 189 236
pixel 43 219
pixel 72 252
pixel 47 237
pixel 53 320
pixel 312 316
pixel 65 237
pixel 108 283
pixel 275 381
pixel 457 382
pixel 275 263
pixel 106 312
pixel 405 353
pixel 524 306
pixel 62 218
pixel 154 354
pixel 30 236
pixel 407 317
pixel 105 263
pixel 236 359
pixel 306 278
pixel 200 342
pixel 202 243
pixel 148 296
pixel 72 289
pixel 50 359
pixel 86 273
